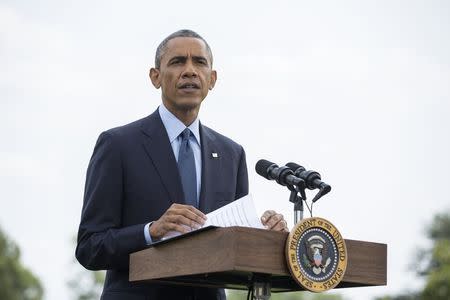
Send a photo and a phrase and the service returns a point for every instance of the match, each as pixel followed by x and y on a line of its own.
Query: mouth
pixel 189 86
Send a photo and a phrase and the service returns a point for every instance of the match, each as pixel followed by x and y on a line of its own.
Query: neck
pixel 185 115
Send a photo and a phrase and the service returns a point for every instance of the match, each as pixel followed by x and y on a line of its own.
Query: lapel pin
pixel 215 155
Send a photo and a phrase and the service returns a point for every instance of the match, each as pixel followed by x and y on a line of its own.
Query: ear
pixel 212 82
pixel 154 75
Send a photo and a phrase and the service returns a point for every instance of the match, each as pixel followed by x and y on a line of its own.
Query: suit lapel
pixel 211 165
pixel 157 145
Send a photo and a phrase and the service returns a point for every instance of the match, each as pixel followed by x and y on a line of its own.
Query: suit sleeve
pixel 242 177
pixel 102 242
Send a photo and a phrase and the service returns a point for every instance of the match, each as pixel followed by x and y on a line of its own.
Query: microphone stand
pixel 297 200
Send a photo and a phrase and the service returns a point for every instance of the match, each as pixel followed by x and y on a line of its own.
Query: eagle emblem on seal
pixel 316 254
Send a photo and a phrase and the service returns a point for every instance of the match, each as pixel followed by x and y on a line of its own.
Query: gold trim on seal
pixel 325 272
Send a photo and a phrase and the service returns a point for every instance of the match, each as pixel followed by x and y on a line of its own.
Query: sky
pixel 356 90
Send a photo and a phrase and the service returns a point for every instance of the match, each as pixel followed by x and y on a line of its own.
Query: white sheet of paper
pixel 240 212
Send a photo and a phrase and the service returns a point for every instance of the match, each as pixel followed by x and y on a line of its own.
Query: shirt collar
pixel 174 126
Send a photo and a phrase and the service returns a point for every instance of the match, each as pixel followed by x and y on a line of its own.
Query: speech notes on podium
pixel 240 212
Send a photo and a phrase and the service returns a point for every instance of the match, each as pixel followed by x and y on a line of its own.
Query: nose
pixel 189 70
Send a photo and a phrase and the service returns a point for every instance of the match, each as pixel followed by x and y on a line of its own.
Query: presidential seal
pixel 316 254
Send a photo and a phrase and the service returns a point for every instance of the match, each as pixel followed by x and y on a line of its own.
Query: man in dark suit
pixel 160 174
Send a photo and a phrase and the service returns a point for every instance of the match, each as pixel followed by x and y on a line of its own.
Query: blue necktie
pixel 186 167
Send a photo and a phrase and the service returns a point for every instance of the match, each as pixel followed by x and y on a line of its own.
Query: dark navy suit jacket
pixel 132 179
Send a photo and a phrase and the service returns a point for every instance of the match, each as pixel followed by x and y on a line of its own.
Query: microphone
pixel 282 175
pixel 312 179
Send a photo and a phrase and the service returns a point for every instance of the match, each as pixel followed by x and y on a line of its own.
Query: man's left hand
pixel 274 221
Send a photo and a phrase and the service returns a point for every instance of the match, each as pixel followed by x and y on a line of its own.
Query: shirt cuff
pixel 148 238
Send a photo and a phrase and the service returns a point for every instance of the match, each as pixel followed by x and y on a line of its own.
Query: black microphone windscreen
pixel 262 167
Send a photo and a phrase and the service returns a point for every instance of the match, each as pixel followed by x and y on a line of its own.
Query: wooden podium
pixel 233 257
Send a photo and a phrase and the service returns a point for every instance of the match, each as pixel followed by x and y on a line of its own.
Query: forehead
pixel 185 46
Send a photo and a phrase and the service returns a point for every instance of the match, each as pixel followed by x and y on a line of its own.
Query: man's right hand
pixel 179 217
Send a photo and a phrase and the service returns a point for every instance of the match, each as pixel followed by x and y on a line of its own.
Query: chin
pixel 183 103
pixel 189 104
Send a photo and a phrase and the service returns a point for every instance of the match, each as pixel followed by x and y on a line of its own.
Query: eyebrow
pixel 184 58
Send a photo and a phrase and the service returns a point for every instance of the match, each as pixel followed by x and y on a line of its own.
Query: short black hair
pixel 180 33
